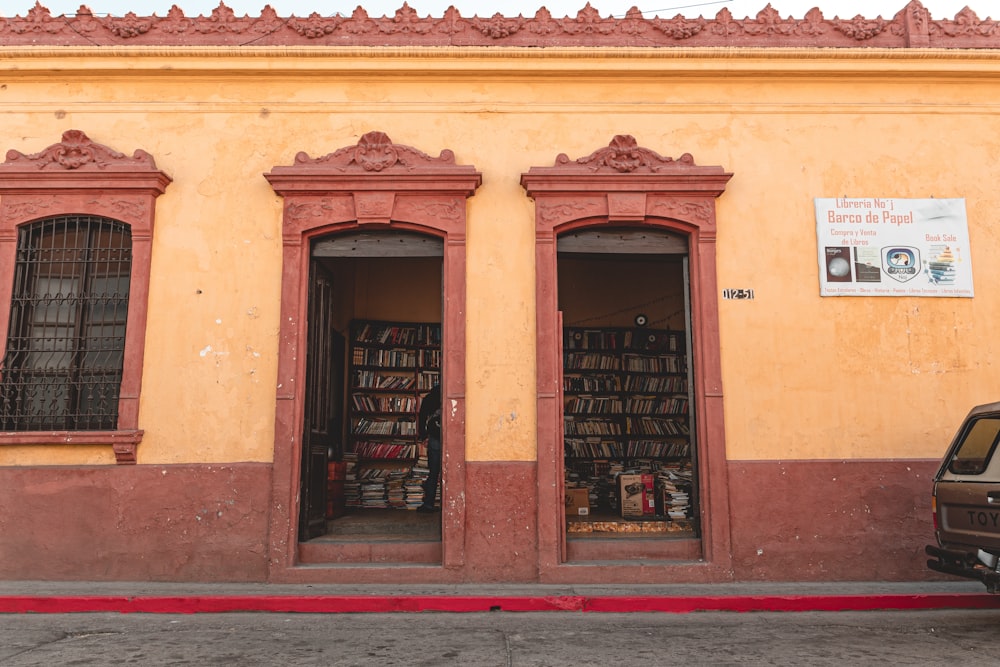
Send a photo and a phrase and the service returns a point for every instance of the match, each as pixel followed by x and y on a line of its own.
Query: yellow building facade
pixel 816 422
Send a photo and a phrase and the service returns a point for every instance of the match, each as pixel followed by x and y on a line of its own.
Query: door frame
pixel 374 185
pixel 625 185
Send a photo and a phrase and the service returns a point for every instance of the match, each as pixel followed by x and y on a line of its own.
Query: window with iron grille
pixel 66 340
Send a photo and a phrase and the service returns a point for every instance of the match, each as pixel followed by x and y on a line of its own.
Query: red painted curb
pixel 195 604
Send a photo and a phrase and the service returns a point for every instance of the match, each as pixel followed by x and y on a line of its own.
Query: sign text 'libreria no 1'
pixel 893 247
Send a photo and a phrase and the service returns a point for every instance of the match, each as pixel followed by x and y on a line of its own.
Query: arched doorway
pixel 374 191
pixel 626 187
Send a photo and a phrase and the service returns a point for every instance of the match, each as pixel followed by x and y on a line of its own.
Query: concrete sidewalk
pixel 146 597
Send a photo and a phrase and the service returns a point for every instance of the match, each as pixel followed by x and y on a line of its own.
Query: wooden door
pixel 321 429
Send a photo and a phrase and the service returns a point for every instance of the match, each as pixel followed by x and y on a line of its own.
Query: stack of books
pixel 352 488
pixel 674 485
pixel 373 491
pixel 415 481
pixel 395 491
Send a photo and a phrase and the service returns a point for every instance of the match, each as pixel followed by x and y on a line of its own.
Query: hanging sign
pixel 893 247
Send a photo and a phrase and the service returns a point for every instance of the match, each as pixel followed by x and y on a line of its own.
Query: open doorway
pixel 630 457
pixel 373 352
pixel 376 202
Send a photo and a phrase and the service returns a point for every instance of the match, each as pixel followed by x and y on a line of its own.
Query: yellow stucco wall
pixel 804 377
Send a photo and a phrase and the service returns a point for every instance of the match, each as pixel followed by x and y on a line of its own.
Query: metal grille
pixel 66 344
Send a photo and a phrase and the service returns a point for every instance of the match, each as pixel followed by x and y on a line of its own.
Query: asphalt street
pixel 504 639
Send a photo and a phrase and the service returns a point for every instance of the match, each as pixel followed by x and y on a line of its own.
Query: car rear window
pixel 974 452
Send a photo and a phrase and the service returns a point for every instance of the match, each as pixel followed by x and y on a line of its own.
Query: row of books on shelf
pixel 399 380
pixel 636 405
pixel 632 363
pixel 385 450
pixel 639 364
pixel 384 380
pixel 652 384
pixel 575 425
pixel 388 333
pixel 384 403
pixel 396 358
pixel 655 426
pixel 594 405
pixel 403 425
pixel 637 384
pixel 578 448
pixel 647 405
pixel 653 340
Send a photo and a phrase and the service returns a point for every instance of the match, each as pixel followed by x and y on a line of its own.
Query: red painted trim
pixel 214 604
pixel 745 603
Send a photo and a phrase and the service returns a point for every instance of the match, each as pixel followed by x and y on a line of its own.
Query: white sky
pixel 939 9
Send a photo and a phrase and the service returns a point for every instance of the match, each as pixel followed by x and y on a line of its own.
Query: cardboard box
pixel 577 502
pixel 636 495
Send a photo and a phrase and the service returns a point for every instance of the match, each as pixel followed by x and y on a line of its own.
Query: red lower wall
pixel 790 521
pixel 831 520
pixel 135 523
pixel 501 535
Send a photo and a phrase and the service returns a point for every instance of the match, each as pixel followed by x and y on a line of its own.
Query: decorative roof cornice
pixel 911 27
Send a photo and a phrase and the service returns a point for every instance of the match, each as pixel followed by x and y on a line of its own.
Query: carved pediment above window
pixel 83 176
pixel 375 181
pixel 77 152
pixel 625 156
pixel 623 183
pixel 375 152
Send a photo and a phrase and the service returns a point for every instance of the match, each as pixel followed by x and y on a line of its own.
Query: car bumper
pixel 962 564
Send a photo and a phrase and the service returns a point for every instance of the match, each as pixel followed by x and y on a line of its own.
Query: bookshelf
pixel 392 365
pixel 627 410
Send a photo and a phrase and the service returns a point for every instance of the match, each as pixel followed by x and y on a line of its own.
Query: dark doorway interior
pixel 374 349
pixel 629 451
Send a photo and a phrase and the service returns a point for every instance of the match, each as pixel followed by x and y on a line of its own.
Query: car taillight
pixel 934 511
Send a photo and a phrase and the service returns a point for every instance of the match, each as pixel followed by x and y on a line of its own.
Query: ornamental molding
pixel 682 209
pixel 556 210
pixel 625 156
pixel 83 176
pixel 375 163
pixel 623 183
pixel 374 181
pixel 624 166
pixel 376 153
pixel 76 152
pixel 911 27
pixel 328 208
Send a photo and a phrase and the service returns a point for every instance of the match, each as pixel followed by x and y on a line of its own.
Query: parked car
pixel 966 501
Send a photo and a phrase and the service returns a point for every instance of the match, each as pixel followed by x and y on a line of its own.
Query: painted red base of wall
pixel 790 521
pixel 135 523
pixel 501 536
pixel 353 604
pixel 831 520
